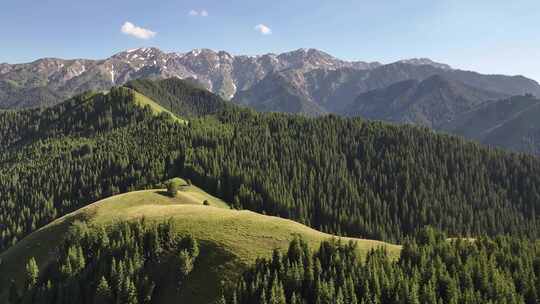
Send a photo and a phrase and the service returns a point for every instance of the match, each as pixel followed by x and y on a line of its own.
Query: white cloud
pixel 201 13
pixel 138 32
pixel 263 29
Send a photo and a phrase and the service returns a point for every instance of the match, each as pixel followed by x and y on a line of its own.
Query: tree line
pixel 430 269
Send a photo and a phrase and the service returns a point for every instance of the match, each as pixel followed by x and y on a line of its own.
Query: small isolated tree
pixel 206 203
pixel 173 186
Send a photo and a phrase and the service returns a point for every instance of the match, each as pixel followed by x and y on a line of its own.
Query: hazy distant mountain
pixel 280 92
pixel 511 123
pixel 444 104
pixel 430 102
pixel 333 90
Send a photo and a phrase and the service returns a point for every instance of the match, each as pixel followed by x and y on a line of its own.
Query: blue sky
pixel 489 36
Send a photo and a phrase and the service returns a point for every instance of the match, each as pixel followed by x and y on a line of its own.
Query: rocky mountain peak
pixel 425 61
pixel 140 54
pixel 317 76
pixel 309 59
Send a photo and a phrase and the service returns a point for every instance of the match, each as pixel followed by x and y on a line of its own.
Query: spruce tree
pixel 185 263
pixel 103 292
pixel 31 273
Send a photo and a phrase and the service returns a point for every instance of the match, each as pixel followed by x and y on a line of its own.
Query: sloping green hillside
pixel 230 240
pixel 144 101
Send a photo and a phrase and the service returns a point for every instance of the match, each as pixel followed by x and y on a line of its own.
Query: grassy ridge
pixel 230 240
pixel 143 101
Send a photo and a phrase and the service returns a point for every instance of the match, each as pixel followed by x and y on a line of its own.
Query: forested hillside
pixel 56 160
pixel 430 270
pixel 345 176
pixel 355 177
pixel 121 265
pixel 184 100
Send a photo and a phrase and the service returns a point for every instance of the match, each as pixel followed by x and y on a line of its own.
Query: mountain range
pixel 47 80
pixel 316 76
pixel 135 195
pixel 305 81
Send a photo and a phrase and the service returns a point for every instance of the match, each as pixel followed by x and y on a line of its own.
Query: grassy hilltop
pixel 230 240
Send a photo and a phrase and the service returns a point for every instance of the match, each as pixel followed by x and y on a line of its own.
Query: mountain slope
pixel 333 90
pixel 430 102
pixel 511 123
pixel 280 92
pixel 230 240
pixel 182 97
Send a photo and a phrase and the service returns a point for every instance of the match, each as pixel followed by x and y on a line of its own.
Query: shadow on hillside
pixel 215 270
pixel 164 193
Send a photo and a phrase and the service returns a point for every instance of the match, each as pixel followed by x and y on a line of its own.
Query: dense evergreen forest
pixel 57 160
pixel 184 100
pixel 122 265
pixel 430 270
pixel 345 176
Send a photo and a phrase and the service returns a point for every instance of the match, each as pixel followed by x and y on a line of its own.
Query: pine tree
pixel 129 293
pixel 277 294
pixel 185 263
pixel 412 295
pixel 428 295
pixel 221 300
pixel 103 292
pixel 32 273
pixel 190 244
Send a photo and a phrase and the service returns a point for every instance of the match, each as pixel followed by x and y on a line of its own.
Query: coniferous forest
pixel 430 269
pixel 344 176
pixel 118 266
